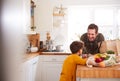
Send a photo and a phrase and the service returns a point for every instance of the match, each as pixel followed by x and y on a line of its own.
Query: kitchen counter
pixel 32 55
pixel 54 53
pixel 98 72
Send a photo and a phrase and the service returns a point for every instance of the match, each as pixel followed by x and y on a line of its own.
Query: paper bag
pixel 118 46
pixel 108 45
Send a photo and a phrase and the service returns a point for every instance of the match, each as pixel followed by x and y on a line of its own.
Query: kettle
pixel 59 48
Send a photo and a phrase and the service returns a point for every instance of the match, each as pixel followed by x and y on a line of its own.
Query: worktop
pixel 54 53
pixel 29 56
pixel 98 72
pixel 34 54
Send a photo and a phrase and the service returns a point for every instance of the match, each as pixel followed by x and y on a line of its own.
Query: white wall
pixel 44 10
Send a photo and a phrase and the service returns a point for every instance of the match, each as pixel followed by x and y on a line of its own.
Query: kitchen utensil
pixel 34 49
pixel 59 48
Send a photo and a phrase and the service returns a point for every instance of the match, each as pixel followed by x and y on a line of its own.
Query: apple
pixel 97 60
pixel 103 58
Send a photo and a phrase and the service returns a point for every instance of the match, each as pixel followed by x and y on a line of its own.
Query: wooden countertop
pixel 98 72
pixel 32 55
pixel 54 53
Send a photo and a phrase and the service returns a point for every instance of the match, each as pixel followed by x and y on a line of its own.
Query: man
pixel 91 40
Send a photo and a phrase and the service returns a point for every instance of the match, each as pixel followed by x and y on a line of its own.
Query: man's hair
pixel 93 26
pixel 76 46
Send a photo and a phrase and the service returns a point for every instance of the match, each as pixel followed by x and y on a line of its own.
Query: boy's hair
pixel 93 26
pixel 75 46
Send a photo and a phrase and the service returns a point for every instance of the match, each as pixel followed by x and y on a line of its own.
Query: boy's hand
pixel 84 56
pixel 91 62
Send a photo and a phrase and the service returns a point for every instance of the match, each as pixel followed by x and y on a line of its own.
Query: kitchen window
pixel 118 19
pixel 107 17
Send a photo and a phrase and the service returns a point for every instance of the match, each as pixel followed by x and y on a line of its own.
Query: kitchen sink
pixel 52 51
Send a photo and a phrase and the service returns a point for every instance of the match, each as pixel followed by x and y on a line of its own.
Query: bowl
pixel 34 49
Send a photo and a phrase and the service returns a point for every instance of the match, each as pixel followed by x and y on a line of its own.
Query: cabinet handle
pixel 34 62
pixel 53 59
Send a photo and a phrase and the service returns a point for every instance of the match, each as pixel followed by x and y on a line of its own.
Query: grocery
pixel 102 60
pixel 101 64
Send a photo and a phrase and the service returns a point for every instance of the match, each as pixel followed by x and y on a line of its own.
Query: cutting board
pixel 34 39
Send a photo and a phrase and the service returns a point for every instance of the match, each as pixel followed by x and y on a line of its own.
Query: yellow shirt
pixel 69 67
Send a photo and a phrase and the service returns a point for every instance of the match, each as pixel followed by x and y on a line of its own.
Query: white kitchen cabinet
pixel 50 67
pixel 51 72
pixel 29 69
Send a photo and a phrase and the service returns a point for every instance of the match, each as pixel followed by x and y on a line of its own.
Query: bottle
pixel 48 36
pixel 41 44
pixel 29 48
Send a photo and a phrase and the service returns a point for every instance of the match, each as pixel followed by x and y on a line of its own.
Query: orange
pixel 101 64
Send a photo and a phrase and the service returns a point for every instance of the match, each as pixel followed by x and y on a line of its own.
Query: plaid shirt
pixel 91 47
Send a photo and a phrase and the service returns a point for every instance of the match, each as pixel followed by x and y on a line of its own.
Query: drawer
pixel 51 58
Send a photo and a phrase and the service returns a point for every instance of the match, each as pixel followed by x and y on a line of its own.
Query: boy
pixel 69 67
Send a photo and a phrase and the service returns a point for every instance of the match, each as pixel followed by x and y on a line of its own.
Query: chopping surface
pixel 98 72
pixel 54 53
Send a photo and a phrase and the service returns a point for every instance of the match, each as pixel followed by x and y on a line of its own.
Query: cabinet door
pixel 51 71
pixel 27 71
pixel 33 70
pixel 49 67
pixel 30 69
